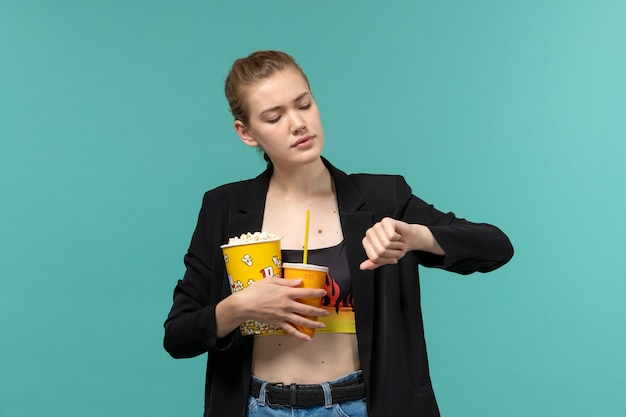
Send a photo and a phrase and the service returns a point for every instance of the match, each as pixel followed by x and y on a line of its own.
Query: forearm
pixel 472 247
pixel 191 327
pixel 190 333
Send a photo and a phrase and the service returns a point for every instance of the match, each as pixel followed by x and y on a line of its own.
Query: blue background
pixel 113 123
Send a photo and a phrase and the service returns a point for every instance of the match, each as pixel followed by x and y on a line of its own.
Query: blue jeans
pixel 257 407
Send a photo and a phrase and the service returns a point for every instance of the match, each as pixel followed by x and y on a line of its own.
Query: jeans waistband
pixel 348 388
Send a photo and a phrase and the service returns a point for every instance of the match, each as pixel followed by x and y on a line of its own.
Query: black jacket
pixel 388 315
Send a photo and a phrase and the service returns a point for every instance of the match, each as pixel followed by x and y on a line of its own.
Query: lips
pixel 302 140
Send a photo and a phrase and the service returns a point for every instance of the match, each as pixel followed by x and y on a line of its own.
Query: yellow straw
pixel 306 237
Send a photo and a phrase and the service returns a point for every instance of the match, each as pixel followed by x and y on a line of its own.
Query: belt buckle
pixel 293 397
pixel 268 394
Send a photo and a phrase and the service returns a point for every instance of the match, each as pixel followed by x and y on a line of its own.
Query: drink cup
pixel 247 263
pixel 313 276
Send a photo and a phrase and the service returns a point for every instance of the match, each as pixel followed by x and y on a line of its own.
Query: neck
pixel 302 180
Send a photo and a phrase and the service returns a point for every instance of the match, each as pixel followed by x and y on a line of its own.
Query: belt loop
pixel 262 393
pixel 328 396
pixel 293 395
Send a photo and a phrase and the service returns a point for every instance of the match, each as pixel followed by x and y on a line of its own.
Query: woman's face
pixel 283 119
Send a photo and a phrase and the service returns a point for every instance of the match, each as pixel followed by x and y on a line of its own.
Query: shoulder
pixel 376 192
pixel 228 196
pixel 249 188
pixel 236 187
pixel 367 181
pixel 382 193
pixel 381 189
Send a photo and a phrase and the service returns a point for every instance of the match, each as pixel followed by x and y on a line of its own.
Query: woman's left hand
pixel 389 240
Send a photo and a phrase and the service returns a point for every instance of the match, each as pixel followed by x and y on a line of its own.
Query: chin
pixel 312 156
pixel 302 159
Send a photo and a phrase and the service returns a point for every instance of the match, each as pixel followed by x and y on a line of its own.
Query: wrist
pixel 425 240
pixel 229 314
pixel 419 235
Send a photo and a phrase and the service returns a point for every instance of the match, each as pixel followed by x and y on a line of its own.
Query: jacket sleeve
pixel 469 247
pixel 190 328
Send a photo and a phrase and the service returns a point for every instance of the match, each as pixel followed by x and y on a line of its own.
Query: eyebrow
pixel 300 97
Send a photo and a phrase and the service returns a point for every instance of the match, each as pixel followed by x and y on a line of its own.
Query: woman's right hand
pixel 273 301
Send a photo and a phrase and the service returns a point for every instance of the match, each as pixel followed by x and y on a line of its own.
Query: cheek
pixel 267 136
pixel 316 116
pixel 318 121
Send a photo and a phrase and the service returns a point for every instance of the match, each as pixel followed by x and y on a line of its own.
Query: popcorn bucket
pixel 247 263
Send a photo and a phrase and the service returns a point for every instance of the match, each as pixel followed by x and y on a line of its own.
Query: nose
pixel 298 124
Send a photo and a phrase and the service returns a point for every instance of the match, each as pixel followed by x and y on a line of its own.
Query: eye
pixel 305 106
pixel 274 120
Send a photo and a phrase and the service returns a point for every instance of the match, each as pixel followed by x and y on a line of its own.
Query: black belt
pixel 296 395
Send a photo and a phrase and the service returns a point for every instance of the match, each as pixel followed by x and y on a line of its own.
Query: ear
pixel 244 134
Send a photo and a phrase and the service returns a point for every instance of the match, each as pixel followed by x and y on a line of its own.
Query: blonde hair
pixel 248 71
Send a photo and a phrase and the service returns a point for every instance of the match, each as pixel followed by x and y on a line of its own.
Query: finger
pixel 380 240
pixel 389 227
pixel 306 321
pixel 381 255
pixel 287 282
pixel 379 233
pixel 383 248
pixel 389 258
pixel 373 247
pixel 368 265
pixel 308 310
pixel 294 325
pixel 292 331
pixel 298 293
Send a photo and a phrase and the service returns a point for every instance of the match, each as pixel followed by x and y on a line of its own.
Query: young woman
pixel 368 356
